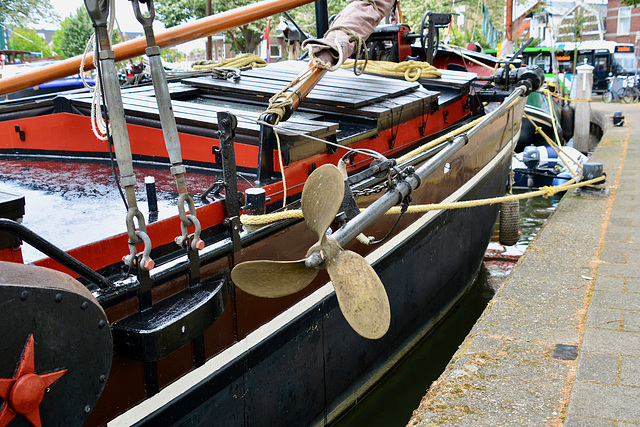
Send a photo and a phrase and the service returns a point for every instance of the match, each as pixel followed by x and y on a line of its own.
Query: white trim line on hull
pixel 191 379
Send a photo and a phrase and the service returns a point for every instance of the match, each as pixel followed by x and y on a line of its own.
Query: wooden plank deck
pixel 141 103
pixel 339 89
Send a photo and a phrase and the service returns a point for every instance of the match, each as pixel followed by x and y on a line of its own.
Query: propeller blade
pixel 272 279
pixel 321 198
pixel 361 295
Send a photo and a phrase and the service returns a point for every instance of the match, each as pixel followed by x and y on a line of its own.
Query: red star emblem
pixel 23 393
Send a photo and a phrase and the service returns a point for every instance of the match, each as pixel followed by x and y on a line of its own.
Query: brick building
pixel 622 23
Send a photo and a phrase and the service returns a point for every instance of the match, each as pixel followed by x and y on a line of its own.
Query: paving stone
pixel 621 247
pixel 631 321
pixel 620 213
pixel 605 318
pixel 614 257
pixel 616 236
pixel 621 300
pixel 612 284
pixel 630 372
pixel 573 421
pixel 612 342
pixel 634 236
pixel 621 270
pixel 632 285
pixel 622 221
pixel 603 401
pixel 633 258
pixel 598 367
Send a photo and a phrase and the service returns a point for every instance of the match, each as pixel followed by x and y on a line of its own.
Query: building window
pixel 624 20
pixel 275 51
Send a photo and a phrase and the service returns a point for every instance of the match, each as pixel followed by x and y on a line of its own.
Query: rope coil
pixel 240 61
pixel 410 70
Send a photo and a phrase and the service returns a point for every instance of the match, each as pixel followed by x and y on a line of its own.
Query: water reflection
pixel 72 204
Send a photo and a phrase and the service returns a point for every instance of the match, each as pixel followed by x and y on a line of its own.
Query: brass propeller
pixel 361 295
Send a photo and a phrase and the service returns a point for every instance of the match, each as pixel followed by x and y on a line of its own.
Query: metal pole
pixel 208 49
pixel 322 17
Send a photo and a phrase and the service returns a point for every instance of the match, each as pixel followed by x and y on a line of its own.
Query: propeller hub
pixel 315 260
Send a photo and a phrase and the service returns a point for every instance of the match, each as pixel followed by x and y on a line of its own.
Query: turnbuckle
pixel 169 128
pixel 98 11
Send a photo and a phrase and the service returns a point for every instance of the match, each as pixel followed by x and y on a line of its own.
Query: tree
pixel 71 39
pixel 23 12
pixel 29 40
pixel 172 55
pixel 244 39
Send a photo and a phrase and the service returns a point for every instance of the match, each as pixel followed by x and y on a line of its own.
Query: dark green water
pixel 398 394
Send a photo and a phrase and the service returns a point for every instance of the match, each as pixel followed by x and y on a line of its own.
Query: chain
pixel 371 190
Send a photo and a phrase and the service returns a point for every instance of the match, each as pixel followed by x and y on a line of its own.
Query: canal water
pixel 393 400
pixel 73 204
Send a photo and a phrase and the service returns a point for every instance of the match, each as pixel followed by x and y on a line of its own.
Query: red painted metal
pixel 23 393
pixel 111 250
pixel 404 47
pixel 11 255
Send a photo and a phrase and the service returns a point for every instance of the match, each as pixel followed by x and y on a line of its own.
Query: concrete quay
pixel 559 344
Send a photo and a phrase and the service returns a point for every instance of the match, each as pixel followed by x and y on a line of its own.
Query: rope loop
pixel 410 70
pixel 279 102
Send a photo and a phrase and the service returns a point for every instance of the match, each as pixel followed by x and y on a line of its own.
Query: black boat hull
pixel 313 366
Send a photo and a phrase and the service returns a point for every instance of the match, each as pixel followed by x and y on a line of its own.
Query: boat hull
pixel 307 365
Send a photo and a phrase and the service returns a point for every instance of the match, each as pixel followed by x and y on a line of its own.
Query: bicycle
pixel 625 95
pixel 619 91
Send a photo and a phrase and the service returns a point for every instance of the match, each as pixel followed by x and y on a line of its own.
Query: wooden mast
pixel 170 37
pixel 508 27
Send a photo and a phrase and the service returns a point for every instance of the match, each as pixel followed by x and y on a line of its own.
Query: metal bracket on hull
pixel 227 124
pixel 172 323
pixel 265 156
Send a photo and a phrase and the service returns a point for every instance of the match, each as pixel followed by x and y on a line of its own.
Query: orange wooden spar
pixel 166 38
pixel 303 88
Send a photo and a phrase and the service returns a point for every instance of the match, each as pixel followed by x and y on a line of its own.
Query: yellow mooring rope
pixel 410 70
pixel 546 191
pixel 240 61
pixel 567 160
pixel 555 95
